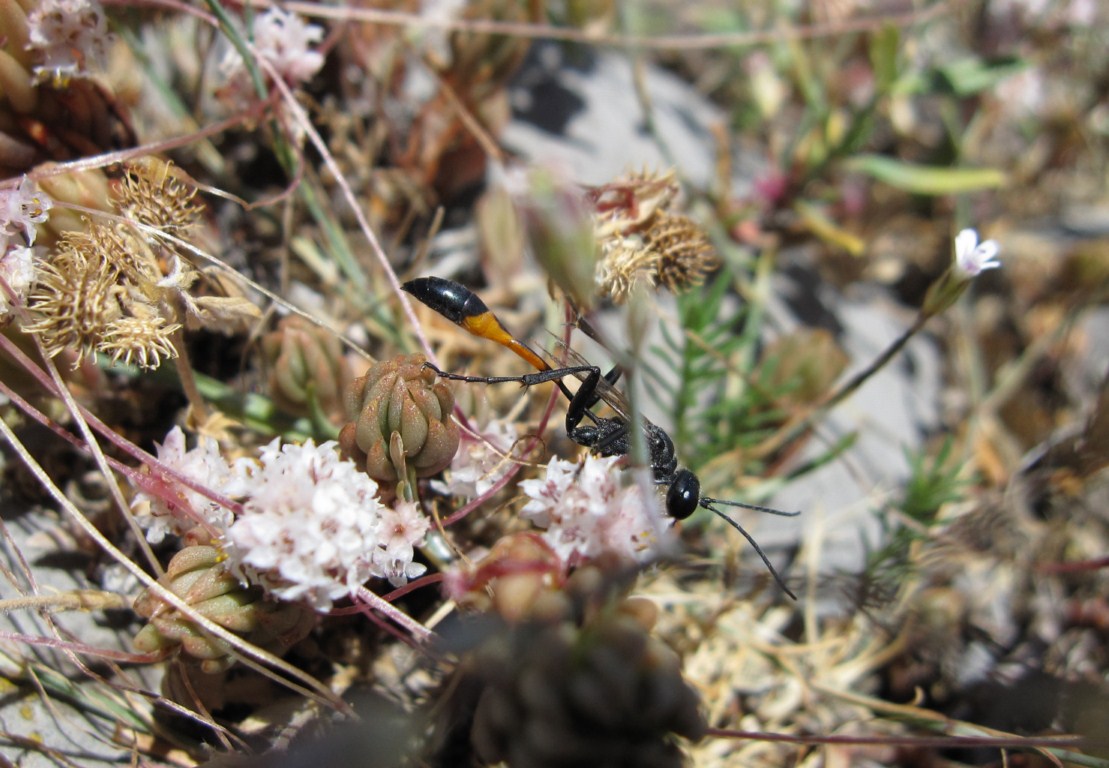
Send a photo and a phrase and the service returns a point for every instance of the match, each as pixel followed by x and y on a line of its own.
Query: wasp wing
pixel 613 397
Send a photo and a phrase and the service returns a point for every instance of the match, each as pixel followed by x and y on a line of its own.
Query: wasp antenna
pixel 756 507
pixel 750 539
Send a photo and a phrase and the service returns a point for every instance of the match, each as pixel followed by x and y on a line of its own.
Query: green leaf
pixel 819 224
pixel 925 179
pixel 970 75
pixel 883 56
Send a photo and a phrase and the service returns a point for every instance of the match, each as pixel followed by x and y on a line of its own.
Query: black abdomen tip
pixel 452 300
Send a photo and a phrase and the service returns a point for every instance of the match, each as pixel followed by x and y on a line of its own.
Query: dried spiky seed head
pixel 154 193
pixel 624 263
pixel 98 293
pixel 75 299
pixel 142 341
pixel 642 242
pixel 627 205
pixel 685 254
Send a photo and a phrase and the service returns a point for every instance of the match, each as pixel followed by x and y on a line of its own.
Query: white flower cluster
pixel 587 510
pixel 311 529
pixel 21 208
pixel 480 462
pixel 204 464
pixel 69 35
pixel 283 40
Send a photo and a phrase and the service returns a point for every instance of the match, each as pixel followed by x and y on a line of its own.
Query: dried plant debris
pixel 125 290
pixel 641 239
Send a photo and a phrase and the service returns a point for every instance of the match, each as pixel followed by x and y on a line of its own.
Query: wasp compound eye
pixel 683 496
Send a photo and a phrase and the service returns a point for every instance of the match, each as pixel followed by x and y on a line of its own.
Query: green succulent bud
pixel 308 372
pixel 199 576
pixel 401 397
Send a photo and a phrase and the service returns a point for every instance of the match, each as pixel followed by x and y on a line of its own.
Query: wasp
pixel 606 436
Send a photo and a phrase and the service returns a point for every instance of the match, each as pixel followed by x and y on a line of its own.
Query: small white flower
pixel 207 466
pixel 588 509
pixel 312 528
pixel 480 461
pixel 973 257
pixel 22 208
pixel 17 270
pixel 114 577
pixel 283 40
pixel 69 35
pixel 546 492
pixel 401 529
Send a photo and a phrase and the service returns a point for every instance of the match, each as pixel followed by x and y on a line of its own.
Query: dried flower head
pixel 685 254
pixel 624 262
pixel 627 204
pixel 85 304
pixel 641 240
pixel 143 340
pixel 312 528
pixel 588 511
pixel 75 297
pixel 70 36
pixel 152 192
pixel 106 288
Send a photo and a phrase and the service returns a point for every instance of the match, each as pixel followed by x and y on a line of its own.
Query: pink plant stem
pixel 105 431
pixel 374 602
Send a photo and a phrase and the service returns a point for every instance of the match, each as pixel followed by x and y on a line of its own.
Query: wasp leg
pixel 587 392
pixel 611 377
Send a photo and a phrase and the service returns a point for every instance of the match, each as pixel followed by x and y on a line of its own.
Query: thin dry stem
pixel 687 42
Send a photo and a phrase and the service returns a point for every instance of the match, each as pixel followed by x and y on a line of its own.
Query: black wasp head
pixel 684 495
